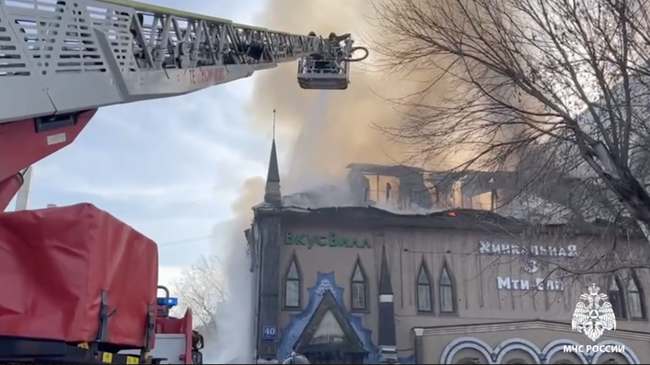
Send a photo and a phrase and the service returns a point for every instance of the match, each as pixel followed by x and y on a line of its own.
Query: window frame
pixel 621 296
pixel 389 190
pixel 366 292
pixel 452 285
pixel 285 280
pixel 632 277
pixel 424 267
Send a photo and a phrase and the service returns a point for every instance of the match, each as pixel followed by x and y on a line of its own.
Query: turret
pixel 386 330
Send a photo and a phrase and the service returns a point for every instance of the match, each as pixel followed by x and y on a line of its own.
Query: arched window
pixel 424 292
pixel 359 286
pixel 292 282
pixel 447 291
pixel 388 191
pixel 615 294
pixel 469 360
pixel 565 359
pixel 610 361
pixel 635 298
pixel 410 196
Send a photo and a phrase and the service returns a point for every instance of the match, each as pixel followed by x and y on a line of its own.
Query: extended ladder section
pixel 65 56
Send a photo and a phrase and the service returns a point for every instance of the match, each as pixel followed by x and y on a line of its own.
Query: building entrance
pixel 329 338
pixel 334 357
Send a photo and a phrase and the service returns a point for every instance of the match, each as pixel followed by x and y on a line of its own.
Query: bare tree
pixel 556 90
pixel 201 287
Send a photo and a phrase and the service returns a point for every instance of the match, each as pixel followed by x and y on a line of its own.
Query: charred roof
pixel 385 170
pixel 456 219
pixel 585 199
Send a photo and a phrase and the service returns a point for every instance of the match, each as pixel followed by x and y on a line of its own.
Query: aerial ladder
pixel 61 60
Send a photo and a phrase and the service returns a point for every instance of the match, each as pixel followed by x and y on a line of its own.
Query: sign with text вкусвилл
pixel 331 240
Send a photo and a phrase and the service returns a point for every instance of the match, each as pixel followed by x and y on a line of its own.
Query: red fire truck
pixel 80 287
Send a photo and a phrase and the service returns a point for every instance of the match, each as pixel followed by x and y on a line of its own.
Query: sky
pixel 171 168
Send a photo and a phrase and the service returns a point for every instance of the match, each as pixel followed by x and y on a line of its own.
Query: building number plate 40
pixel 269 333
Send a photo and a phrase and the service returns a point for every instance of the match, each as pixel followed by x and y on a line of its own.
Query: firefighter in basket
pixel 338 49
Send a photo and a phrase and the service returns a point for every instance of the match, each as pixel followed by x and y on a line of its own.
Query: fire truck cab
pixel 176 342
pixel 80 287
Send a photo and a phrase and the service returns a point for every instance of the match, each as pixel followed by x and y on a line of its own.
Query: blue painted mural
pixel 297 323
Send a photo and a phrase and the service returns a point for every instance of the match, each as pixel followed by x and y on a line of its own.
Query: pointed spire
pixel 385 286
pixel 274 171
pixel 272 193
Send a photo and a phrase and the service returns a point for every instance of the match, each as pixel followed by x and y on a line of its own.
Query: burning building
pixel 407 267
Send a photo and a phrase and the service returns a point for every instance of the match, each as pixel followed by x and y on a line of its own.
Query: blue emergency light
pixel 168 302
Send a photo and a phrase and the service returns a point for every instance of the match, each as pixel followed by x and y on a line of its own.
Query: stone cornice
pixel 518 326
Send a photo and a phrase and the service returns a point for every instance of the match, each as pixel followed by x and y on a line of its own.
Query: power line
pixel 188 240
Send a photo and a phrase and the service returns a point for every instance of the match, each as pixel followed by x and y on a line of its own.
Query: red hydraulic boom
pixel 61 60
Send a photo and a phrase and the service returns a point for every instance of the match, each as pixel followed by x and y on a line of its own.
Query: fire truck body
pixel 80 286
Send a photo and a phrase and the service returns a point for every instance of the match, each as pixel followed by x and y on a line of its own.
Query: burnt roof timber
pixel 465 219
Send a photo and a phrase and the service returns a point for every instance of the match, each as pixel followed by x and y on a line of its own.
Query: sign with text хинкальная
pixel 531 267
pixel 489 248
pixel 331 240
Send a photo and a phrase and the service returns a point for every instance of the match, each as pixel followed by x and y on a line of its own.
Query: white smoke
pixel 234 341
pixel 305 152
pixel 321 196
